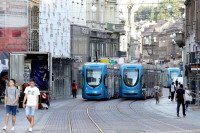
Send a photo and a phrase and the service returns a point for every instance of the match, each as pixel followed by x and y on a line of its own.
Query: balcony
pixel 179 39
pixel 116 27
pixel 111 1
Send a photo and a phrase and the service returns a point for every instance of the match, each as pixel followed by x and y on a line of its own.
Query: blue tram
pixel 131 80
pixel 138 80
pixel 100 81
pixel 171 73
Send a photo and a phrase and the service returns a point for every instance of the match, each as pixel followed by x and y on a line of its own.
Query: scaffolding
pixel 33 41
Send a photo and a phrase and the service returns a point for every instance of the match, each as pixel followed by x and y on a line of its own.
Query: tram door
pixel 111 81
pixel 116 83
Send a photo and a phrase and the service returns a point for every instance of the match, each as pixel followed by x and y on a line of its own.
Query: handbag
pixel 190 98
pixel 169 97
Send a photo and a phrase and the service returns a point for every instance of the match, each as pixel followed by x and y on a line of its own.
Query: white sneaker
pixel 30 129
pixel 13 129
pixel 4 128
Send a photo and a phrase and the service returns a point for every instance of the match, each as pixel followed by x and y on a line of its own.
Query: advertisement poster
pixel 13 25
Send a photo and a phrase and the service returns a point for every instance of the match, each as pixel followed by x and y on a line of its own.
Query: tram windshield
pixel 131 77
pixel 174 74
pixel 94 77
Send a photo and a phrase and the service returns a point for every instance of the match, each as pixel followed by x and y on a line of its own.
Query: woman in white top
pixel 188 97
pixel 172 91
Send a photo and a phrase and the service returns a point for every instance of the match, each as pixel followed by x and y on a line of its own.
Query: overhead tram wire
pixel 136 3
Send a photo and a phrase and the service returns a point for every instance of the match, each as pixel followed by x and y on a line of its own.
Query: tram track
pixel 61 107
pixel 129 116
pixel 91 119
pixel 70 127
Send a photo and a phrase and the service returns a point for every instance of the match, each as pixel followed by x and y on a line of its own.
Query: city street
pixel 100 49
pixel 112 116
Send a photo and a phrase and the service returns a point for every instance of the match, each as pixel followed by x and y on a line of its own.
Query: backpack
pixel 73 85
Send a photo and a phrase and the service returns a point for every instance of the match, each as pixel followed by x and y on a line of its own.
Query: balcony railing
pixel 116 27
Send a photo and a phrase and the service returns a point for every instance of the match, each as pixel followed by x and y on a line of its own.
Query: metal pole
pixel 96 56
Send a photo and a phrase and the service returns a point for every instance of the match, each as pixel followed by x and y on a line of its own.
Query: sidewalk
pixel 41 118
pixel 168 108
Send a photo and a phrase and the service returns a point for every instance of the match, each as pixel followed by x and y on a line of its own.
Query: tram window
pixel 131 77
pixel 173 74
pixel 94 77
pixel 106 80
pixel 141 80
pixel 120 81
pixel 167 76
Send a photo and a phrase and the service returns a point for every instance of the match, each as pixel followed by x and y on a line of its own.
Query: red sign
pixel 13 39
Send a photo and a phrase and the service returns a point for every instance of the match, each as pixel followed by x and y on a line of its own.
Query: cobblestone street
pixel 112 116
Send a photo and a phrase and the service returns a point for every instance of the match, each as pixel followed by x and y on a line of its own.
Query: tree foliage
pixel 158 13
pixel 143 13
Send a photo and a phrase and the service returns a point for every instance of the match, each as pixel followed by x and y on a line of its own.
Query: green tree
pixel 158 13
pixel 143 13
pixel 152 18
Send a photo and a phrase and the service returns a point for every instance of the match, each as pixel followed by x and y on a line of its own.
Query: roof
pixel 178 25
pixel 153 27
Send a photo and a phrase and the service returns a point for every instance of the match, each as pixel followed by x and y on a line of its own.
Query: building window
pixel 2 33
pixel 108 50
pixel 102 14
pixel 111 14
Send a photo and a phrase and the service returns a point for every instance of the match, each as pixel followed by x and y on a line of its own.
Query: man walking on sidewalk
pixel 180 95
pixel 10 103
pixel 32 96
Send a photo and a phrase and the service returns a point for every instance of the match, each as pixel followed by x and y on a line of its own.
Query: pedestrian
pixel 10 103
pixel 172 91
pixel 177 85
pixel 32 96
pixel 156 92
pixel 46 77
pixel 74 88
pixel 180 98
pixel 188 97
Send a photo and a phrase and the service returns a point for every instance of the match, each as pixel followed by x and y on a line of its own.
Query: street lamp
pixel 93 9
pixel 169 8
pixel 172 36
pixel 183 16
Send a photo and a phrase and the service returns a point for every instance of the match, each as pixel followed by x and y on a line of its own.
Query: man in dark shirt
pixel 180 98
pixel 46 76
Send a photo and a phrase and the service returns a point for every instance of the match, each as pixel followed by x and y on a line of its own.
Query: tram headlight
pixel 100 89
pixel 86 88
